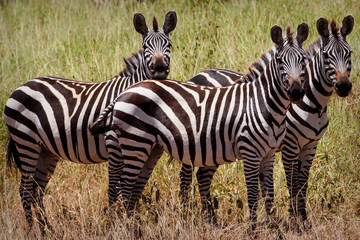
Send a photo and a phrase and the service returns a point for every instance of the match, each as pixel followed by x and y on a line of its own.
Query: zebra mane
pixel 132 63
pixel 289 35
pixel 259 66
pixel 314 47
pixel 155 25
pixel 334 28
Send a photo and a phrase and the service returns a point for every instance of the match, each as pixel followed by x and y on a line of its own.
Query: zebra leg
pixel 205 176
pixel 144 176
pixel 251 170
pixel 28 158
pixel 266 181
pixel 116 165
pixel 306 157
pixel 134 162
pixel 185 182
pixel 45 168
pixel 290 154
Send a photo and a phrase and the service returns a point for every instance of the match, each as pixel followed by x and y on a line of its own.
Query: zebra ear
pixel 276 35
pixel 322 27
pixel 170 22
pixel 140 24
pixel 347 25
pixel 302 33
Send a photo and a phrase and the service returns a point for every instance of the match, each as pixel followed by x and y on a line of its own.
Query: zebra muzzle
pixel 295 92
pixel 159 69
pixel 343 86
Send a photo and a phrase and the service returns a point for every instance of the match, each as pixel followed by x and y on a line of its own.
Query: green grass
pixel 87 41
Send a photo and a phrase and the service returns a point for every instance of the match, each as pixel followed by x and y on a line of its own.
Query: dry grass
pixel 86 40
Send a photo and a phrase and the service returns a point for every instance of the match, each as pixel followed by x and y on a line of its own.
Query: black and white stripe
pixel 204 126
pixel 217 77
pixel 306 122
pixel 48 117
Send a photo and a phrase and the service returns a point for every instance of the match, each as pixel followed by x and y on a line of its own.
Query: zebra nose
pixel 343 87
pixel 296 92
pixel 159 68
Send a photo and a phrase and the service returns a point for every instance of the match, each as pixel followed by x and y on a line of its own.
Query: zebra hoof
pixel 299 226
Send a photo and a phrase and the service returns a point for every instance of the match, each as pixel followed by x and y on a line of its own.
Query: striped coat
pixel 48 117
pixel 331 58
pixel 206 126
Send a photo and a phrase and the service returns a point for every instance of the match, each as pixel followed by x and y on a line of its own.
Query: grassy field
pixel 86 40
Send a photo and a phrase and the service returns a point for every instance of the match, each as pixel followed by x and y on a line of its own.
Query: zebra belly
pixel 201 155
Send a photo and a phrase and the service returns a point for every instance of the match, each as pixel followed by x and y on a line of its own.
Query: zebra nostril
pixel 152 70
pixel 160 68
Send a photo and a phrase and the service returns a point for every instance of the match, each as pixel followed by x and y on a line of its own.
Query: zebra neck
pixel 135 71
pixel 318 89
pixel 270 94
pixel 135 67
pixel 276 99
pixel 258 67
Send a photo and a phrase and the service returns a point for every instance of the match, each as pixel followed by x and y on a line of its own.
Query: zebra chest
pixel 307 125
pixel 258 141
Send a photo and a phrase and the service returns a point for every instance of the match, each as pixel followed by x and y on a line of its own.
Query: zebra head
pixel 290 58
pixel 156 44
pixel 336 53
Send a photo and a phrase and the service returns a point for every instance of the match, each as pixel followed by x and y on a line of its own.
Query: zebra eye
pixel 326 55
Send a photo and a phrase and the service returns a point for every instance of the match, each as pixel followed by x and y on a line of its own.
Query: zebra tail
pixel 100 126
pixel 12 154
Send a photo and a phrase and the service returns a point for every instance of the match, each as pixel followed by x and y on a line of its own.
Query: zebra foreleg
pixel 290 161
pixel 45 168
pixel 267 183
pixel 306 157
pixel 204 176
pixel 251 170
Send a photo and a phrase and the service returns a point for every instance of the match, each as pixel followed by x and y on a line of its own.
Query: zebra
pixel 190 123
pixel 48 117
pixel 217 77
pixel 328 70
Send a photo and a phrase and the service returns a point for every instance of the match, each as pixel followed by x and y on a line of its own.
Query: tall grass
pixel 86 40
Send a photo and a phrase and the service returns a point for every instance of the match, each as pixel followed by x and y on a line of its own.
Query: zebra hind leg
pixel 131 172
pixel 185 182
pixel 45 168
pixel 205 176
pixel 26 158
pixel 116 165
pixel 144 176
pixel 27 198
